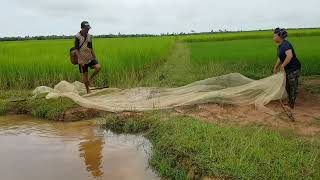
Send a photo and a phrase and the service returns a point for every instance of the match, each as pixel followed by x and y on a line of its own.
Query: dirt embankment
pixel 306 113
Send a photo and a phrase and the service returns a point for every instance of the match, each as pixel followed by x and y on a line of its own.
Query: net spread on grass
pixel 232 88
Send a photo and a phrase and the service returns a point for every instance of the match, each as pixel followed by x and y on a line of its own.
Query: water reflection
pixel 80 150
pixel 91 151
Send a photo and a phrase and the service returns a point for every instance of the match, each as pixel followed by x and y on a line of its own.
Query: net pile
pixel 232 88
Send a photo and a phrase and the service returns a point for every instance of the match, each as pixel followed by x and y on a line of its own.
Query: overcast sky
pixel 44 17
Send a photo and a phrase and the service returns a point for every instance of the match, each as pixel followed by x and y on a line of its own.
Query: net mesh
pixel 232 88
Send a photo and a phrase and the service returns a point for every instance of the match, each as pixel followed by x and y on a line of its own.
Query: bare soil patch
pixel 306 113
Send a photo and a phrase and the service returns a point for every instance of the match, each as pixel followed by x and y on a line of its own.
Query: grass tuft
pixel 186 148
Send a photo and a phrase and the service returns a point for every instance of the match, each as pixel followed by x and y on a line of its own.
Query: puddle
pixel 33 149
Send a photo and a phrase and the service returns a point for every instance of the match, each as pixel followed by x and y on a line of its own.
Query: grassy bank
pixel 186 148
pixel 52 109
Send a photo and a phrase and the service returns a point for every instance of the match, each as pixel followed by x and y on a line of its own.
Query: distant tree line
pixel 25 38
pixel 119 35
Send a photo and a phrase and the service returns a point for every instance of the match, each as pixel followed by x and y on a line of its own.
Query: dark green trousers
pixel 292 81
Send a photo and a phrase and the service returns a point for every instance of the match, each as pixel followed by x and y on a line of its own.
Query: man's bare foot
pixel 288 110
pixel 287 107
pixel 87 85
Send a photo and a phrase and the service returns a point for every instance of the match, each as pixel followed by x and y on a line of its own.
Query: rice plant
pixel 27 64
pixel 246 35
pixel 254 57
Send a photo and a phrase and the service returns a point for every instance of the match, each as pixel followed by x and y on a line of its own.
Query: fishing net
pixel 232 88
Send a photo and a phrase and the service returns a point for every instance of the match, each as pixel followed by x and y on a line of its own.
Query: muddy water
pixel 37 149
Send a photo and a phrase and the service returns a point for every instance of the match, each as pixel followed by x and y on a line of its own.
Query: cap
pixel 281 32
pixel 85 24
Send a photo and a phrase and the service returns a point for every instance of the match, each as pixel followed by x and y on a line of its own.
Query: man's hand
pixel 80 61
pixel 282 68
pixel 81 66
pixel 276 66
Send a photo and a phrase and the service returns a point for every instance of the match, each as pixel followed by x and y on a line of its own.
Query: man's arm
pixel 77 47
pixel 288 58
pixel 276 66
pixel 93 54
pixel 91 47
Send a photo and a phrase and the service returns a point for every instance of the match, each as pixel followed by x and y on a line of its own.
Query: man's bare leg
pixel 86 81
pixel 97 69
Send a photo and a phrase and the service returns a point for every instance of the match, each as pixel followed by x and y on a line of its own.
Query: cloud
pixel 36 17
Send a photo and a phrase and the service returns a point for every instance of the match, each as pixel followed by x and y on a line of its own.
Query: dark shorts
pixel 91 65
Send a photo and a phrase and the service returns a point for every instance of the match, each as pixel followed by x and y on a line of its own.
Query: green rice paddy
pixel 127 61
pixel 28 64
pixel 254 57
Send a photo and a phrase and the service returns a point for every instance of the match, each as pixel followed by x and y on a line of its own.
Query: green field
pixel 127 61
pixel 254 58
pixel 246 35
pixel 28 64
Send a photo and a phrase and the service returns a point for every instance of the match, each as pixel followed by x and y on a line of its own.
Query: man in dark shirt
pixel 86 56
pixel 288 61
